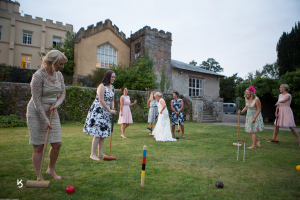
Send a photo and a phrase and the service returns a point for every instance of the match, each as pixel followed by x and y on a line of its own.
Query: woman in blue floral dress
pixel 177 115
pixel 254 120
pixel 97 122
pixel 153 110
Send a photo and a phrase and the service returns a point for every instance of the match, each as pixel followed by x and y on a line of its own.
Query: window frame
pixel 107 56
pixel 26 61
pixel 58 38
pixel 195 87
pixel 27 37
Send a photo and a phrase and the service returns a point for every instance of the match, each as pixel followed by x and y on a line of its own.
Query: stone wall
pixel 158 44
pixel 197 110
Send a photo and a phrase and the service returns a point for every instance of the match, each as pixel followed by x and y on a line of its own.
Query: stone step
pixel 209 121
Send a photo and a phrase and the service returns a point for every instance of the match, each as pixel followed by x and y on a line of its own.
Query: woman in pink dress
pixel 285 117
pixel 125 117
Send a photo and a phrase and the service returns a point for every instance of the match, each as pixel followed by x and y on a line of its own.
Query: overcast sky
pixel 240 34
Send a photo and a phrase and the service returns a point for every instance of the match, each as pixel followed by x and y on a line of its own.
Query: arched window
pixel 106 56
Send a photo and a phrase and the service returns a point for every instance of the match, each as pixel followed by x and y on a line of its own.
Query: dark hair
pixel 123 88
pixel 176 93
pixel 107 76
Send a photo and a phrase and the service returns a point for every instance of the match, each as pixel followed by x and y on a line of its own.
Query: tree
pixel 271 71
pixel 228 86
pixel 288 51
pixel 211 65
pixel 194 63
pixel 66 47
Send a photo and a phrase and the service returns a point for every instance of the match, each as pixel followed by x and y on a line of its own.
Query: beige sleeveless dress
pixel 45 91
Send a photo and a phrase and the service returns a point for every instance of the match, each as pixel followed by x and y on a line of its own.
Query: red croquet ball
pixel 70 189
pixel 178 130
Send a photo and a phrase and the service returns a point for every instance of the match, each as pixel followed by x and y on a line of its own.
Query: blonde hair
pixel 152 96
pixel 53 57
pixel 252 94
pixel 158 94
pixel 286 86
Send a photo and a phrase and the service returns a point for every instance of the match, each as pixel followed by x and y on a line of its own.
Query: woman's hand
pixel 253 120
pixel 160 112
pixel 48 125
pixel 113 112
pixel 53 107
pixel 135 101
pixel 121 114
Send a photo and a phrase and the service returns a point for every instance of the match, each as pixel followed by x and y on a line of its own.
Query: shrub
pixel 7 121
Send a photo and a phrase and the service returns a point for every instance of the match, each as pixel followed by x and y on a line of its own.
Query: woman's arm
pixel 173 107
pixel 181 105
pixel 100 92
pixel 36 91
pixel 133 103
pixel 287 98
pixel 62 94
pixel 121 105
pixel 258 105
pixel 162 102
pixel 148 103
pixel 244 110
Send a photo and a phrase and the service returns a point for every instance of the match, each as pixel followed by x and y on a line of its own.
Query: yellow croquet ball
pixel 298 167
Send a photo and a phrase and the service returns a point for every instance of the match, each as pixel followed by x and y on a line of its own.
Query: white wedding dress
pixel 162 131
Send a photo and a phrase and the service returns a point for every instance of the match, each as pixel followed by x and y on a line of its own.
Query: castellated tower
pixel 158 44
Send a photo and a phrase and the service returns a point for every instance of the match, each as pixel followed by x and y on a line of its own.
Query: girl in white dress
pixel 162 131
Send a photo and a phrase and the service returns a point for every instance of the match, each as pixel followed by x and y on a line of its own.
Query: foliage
pixel 288 51
pixel 228 86
pixel 211 65
pixel 10 73
pixel 8 121
pixel 293 80
pixel 138 76
pixel 162 79
pixel 194 63
pixel 97 76
pixel 77 103
pixel 67 47
pixel 271 71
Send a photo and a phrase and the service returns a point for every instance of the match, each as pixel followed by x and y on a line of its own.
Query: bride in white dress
pixel 162 131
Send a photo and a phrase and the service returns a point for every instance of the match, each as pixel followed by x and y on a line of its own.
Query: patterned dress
pixel 153 111
pixel 177 107
pixel 45 91
pixel 251 112
pixel 98 119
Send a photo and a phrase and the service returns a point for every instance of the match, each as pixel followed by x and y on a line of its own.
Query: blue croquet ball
pixel 219 184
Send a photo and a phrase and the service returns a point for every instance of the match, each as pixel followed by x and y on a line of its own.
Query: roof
pixel 184 66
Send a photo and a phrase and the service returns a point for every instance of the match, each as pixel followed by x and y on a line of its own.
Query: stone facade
pixel 12 26
pixel 158 44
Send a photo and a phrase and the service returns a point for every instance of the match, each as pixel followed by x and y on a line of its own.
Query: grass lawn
pixel 186 169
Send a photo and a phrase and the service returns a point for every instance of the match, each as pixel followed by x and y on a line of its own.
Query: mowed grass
pixel 186 169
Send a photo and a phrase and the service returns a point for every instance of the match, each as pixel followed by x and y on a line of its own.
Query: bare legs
pixel 173 129
pixel 296 134
pixel 182 130
pixel 254 141
pixel 123 126
pixel 37 156
pixel 100 148
pixel 150 126
pixel 275 133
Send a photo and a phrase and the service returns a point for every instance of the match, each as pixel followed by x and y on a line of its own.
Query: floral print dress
pixel 98 119
pixel 179 117
pixel 251 112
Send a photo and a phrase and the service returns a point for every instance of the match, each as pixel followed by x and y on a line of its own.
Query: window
pixel 195 87
pixel 106 56
pixel 56 41
pixel 27 38
pixel 26 61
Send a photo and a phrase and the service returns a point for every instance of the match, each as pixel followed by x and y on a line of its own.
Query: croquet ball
pixel 70 189
pixel 177 138
pixel 178 130
pixel 219 184
pixel 298 167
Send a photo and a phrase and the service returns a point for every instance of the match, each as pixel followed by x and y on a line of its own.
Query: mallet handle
pixel 45 145
pixel 111 132
pixel 238 128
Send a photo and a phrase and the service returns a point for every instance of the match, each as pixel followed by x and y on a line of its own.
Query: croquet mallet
pixel 39 183
pixel 178 130
pixel 152 123
pixel 111 134
pixel 237 144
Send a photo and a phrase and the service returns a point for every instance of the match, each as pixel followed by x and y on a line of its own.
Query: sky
pixel 239 34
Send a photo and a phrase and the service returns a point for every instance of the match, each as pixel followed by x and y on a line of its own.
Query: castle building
pixel 23 38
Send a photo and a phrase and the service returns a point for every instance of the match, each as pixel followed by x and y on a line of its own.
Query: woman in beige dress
pixel 47 88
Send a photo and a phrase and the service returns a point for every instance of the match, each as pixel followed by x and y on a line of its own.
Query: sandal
pixel 123 136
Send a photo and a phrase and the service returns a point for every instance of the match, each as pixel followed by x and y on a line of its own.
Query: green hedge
pixel 11 121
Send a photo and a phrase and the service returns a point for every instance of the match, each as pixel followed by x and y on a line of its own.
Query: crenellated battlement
pixel 147 30
pixel 14 15
pixel 101 27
